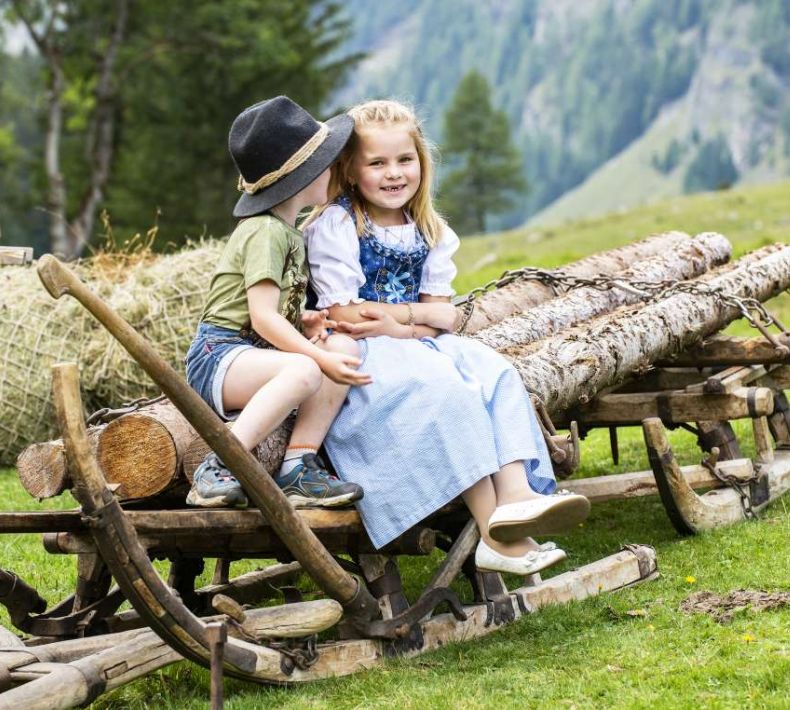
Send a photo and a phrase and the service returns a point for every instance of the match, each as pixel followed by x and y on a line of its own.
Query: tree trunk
pixel 685 261
pixel 100 142
pixel 520 295
pixel 572 367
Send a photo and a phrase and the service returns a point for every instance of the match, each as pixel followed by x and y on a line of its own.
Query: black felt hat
pixel 279 149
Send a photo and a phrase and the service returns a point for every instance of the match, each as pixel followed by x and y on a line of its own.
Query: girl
pixel 445 415
pixel 248 353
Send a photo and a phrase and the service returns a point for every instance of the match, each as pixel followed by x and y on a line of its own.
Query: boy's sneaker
pixel 310 485
pixel 213 486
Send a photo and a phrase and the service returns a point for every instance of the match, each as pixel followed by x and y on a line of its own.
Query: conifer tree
pixel 487 170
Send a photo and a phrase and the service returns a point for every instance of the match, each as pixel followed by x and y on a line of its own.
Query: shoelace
pixel 220 475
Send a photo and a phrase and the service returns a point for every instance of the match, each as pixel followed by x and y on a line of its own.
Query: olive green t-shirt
pixel 261 247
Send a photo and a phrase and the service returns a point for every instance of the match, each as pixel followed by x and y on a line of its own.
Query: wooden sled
pixel 721 381
pixel 84 646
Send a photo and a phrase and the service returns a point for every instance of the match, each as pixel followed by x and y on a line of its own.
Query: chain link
pixel 106 414
pixel 739 485
pixel 561 282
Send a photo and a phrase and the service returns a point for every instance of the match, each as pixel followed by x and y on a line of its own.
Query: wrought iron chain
pixel 301 653
pixel 739 485
pixel 562 282
pixel 107 415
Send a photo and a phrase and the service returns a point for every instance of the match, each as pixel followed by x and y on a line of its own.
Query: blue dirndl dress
pixel 441 414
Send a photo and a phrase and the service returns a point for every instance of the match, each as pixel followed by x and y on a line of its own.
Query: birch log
pixel 518 296
pixel 572 367
pixel 684 261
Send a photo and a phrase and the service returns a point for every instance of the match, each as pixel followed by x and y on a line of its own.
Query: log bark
pixel 494 306
pixel 685 261
pixel 269 452
pixel 570 368
pixel 141 452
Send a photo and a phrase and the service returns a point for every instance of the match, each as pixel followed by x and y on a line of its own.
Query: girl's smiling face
pixel 386 171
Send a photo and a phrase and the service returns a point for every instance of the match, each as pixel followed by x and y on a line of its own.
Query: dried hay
pixel 724 607
pixel 161 296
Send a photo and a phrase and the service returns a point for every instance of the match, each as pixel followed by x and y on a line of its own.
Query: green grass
pixel 586 654
pixel 749 217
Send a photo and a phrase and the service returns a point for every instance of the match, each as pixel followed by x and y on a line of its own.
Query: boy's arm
pixel 263 300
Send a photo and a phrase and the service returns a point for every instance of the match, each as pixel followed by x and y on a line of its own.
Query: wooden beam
pixel 672 406
pixel 643 483
pixel 728 380
pixel 729 350
pixel 16 256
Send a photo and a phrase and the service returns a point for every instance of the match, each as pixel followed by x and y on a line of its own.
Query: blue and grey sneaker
pixel 213 486
pixel 310 485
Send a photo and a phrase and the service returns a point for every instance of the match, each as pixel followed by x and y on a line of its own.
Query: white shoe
pixel 489 560
pixel 538 516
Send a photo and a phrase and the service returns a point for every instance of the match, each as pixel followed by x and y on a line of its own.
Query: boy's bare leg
pixel 266 385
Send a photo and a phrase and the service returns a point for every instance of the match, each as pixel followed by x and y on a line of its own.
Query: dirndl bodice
pixel 391 275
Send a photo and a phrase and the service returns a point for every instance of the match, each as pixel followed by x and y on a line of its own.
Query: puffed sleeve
pixel 333 255
pixel 439 270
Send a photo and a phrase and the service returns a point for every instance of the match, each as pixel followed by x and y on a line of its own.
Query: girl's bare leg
pixel 267 385
pixel 481 499
pixel 511 484
pixel 318 411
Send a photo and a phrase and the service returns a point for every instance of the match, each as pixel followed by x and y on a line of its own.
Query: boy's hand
pixel 316 325
pixel 342 368
pixel 377 322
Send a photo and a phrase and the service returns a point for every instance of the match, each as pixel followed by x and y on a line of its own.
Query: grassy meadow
pixel 631 649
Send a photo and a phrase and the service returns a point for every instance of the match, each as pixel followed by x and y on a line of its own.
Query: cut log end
pixel 139 454
pixel 42 469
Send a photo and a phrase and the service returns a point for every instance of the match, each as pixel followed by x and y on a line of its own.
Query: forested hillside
pixel 706 80
pixel 612 103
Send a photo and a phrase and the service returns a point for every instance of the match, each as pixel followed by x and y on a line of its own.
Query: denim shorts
pixel 212 351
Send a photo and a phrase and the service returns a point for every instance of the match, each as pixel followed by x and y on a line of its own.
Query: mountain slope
pixel 585 82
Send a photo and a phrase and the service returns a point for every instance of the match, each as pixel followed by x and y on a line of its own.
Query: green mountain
pixel 612 102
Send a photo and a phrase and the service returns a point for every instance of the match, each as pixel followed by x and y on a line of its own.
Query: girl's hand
pixel 316 325
pixel 378 322
pixel 342 368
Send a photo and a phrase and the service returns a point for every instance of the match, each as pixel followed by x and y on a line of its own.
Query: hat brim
pixel 340 128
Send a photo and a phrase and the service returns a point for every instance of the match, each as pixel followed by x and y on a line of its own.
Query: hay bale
pixel 162 300
pixel 161 296
pixel 35 334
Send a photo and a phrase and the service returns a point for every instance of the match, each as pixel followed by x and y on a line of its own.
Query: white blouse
pixel 333 255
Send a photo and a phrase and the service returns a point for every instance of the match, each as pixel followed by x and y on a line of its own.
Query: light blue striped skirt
pixel 441 414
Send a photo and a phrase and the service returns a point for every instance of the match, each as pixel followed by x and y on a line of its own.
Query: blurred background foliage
pixel 608 104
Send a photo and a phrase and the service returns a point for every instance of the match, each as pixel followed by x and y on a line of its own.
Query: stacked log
pixel 685 260
pixel 141 453
pixel 521 295
pixel 573 366
pixel 146 452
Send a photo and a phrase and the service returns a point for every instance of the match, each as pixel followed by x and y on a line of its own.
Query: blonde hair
pixel 385 113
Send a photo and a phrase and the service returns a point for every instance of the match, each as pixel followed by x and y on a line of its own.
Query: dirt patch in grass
pixel 723 608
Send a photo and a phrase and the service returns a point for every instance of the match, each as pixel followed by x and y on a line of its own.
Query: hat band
pixel 289 165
